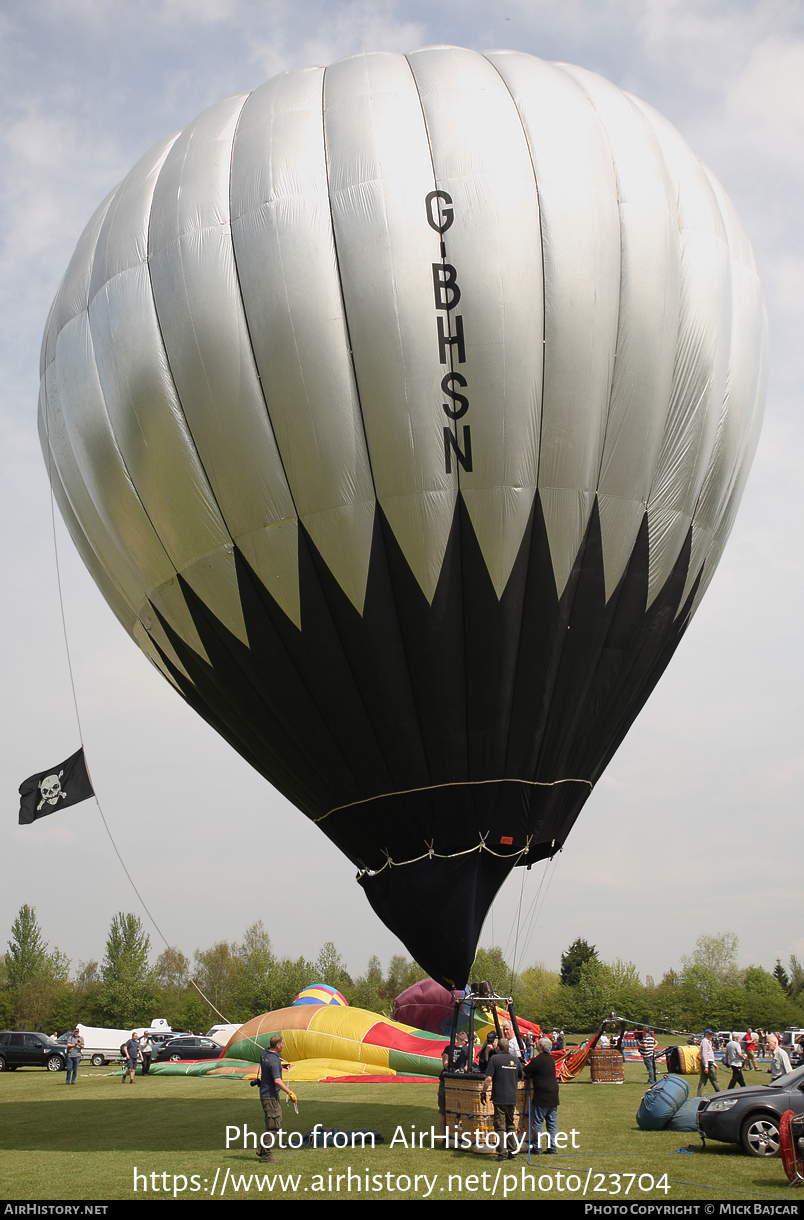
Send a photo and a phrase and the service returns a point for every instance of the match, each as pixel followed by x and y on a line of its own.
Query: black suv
pixel 30 1050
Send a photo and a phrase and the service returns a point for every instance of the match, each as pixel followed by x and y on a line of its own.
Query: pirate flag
pixel 60 786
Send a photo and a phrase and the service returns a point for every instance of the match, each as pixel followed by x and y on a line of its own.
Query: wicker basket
pixel 467 1113
pixel 606 1065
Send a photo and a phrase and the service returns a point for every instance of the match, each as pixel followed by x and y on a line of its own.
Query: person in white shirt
pixel 646 1043
pixel 708 1065
pixel 780 1063
pixel 735 1059
pixel 513 1045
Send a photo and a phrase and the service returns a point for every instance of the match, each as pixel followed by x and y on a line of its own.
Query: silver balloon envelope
pixel 401 411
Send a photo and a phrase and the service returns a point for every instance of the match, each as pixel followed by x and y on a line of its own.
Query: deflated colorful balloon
pixel 332 1043
pixel 343 1034
pixel 401 411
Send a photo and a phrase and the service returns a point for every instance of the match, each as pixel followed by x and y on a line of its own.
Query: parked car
pixel 725 1035
pixel 188 1047
pixel 791 1044
pixel 750 1117
pixel 25 1048
pixel 160 1040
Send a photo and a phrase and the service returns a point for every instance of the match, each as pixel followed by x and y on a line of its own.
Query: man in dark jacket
pixel 541 1072
pixel 503 1073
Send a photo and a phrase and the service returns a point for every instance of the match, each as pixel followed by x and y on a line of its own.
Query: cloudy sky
pixel 696 826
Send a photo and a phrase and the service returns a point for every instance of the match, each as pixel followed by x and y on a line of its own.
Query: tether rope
pixel 537 906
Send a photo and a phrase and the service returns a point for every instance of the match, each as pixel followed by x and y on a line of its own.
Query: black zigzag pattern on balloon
pixel 395 727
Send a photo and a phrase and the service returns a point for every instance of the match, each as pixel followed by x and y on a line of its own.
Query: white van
pixel 101 1046
pixel 790 1043
pixel 222 1033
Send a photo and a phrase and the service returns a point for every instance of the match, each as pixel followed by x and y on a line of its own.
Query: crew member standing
pixel 270 1079
pixel 544 1096
pixel 462 1060
pixel 708 1065
pixel 132 1055
pixel 734 1060
pixel 503 1074
pixel 646 1041
pixel 75 1045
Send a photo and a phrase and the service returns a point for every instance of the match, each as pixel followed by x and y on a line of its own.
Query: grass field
pixel 84 1142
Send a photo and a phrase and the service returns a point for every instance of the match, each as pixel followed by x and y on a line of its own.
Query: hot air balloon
pixel 401 411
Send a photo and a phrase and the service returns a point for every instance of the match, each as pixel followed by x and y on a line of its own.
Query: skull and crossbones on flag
pixel 56 788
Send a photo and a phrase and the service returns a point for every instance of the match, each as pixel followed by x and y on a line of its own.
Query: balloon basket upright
pixel 606 1066
pixel 467 1114
pixel 607 1063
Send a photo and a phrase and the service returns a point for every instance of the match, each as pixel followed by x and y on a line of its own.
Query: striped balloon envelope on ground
pixel 401 410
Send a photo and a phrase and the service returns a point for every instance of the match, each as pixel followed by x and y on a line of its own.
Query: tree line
pixel 229 982
pixel 707 989
pixel 235 981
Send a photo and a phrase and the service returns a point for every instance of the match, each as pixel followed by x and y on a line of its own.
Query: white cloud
pixel 55 166
pixel 146 15
pixel 362 25
pixel 767 101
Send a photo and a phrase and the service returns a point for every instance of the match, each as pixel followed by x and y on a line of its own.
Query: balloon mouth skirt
pixel 469 837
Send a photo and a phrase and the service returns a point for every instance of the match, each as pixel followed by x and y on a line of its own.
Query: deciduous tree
pixel 129 993
pixel 402 973
pixel 717 954
pixel 539 995
pixel 331 967
pixel 367 991
pixel 490 966
pixel 172 969
pixel 221 976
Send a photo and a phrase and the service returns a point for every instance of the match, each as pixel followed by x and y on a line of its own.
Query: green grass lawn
pixel 85 1141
